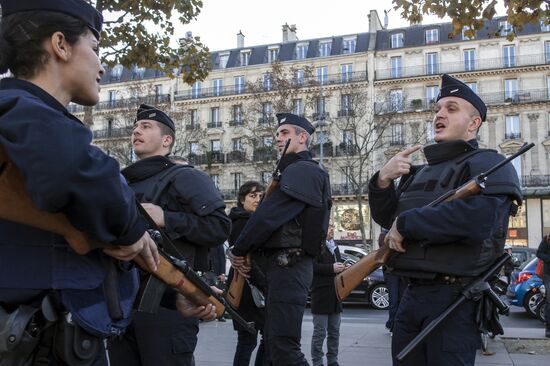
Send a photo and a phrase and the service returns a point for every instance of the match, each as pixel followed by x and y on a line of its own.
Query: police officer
pixel 440 249
pixel 184 202
pixel 53 302
pixel 289 227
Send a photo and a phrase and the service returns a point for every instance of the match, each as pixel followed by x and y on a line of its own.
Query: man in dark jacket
pixel 439 249
pixel 325 307
pixel 184 203
pixel 543 254
pixel 289 227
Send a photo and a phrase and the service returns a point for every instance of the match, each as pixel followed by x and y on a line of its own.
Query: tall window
pixel 217 87
pixel 346 72
pixel 298 107
pixel 432 36
pixel 193 147
pixel 272 54
pixel 158 90
pixel 396 40
pixel 396 100
pixel 237 180
pixel 510 90
pixel 345 105
pixel 112 98
pixel 267 81
pixel 547 51
pixel 347 138
pixel 239 84
pixel 505 28
pixel 509 56
pixel 196 90
pixel 324 48
pixel 299 76
pixel 237 114
pixel 215 145
pixel 322 74
pixel 430 131
pixel 194 119
pixel 473 86
pixel 513 128
pixel 349 45
pixel 546 216
pixel 396 69
pixel 397 134
pixel 548 86
pixel 432 92
pixel 301 51
pixel 469 59
pixel 216 180
pixel 267 109
pixel 237 144
pixel 215 117
pixel 245 58
pixel 320 107
pixel 266 177
pixel 432 63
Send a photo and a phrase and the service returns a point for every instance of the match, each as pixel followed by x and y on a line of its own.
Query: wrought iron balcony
pixel 192 126
pixel 214 124
pixel 265 154
pixel 535 181
pixel 153 99
pixel 512 135
pixel 110 133
pixel 347 189
pixel 453 67
pixel 236 156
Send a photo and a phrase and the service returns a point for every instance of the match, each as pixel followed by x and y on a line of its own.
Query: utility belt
pixel 283 257
pixel 440 279
pixel 29 335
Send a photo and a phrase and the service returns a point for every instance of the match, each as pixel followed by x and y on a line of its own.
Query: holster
pixel 18 338
pixel 73 345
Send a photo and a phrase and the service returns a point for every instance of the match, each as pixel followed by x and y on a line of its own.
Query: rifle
pixel 473 291
pixel 235 291
pixel 349 279
pixel 18 207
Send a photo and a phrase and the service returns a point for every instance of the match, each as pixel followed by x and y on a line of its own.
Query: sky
pixel 261 20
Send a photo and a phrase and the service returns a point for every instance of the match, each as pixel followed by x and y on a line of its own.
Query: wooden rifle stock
pixel 18 207
pixel 235 291
pixel 349 279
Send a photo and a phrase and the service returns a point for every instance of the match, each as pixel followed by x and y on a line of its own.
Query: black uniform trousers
pixel 162 339
pixel 287 289
pixel 454 342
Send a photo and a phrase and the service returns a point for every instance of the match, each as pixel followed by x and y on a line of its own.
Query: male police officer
pixel 289 227
pixel 441 248
pixel 184 202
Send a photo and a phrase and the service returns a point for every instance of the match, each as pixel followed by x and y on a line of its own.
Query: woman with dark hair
pixel 50 48
pixel 248 198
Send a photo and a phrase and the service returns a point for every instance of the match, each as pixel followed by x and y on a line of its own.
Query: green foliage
pixel 472 13
pixel 138 32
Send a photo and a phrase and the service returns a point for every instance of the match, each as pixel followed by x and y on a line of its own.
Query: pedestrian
pixel 543 254
pixel 441 249
pixel 50 296
pixel 183 202
pixel 248 198
pixel 325 307
pixel 509 265
pixel 289 228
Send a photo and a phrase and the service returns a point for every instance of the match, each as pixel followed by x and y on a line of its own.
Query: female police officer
pixel 51 49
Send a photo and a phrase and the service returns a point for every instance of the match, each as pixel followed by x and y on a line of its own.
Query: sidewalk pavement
pixel 362 342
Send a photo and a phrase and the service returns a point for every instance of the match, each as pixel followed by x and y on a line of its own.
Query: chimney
pixel 240 39
pixel 374 22
pixel 386 19
pixel 289 33
pixel 188 34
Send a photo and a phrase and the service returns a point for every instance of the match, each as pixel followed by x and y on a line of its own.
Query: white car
pixel 352 250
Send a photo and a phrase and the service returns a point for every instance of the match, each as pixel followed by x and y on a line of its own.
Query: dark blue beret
pixel 451 87
pixel 292 119
pixel 76 8
pixel 149 112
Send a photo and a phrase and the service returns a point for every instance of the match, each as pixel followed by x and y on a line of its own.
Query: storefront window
pixel 347 222
pixel 517 228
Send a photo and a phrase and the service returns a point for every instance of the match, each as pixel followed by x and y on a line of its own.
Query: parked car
pixel 372 290
pixel 523 254
pixel 352 250
pixel 524 287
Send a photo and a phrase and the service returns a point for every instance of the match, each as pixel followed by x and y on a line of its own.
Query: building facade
pixel 370 95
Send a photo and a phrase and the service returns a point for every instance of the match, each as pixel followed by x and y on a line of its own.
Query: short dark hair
pixel 246 188
pixel 165 130
pixel 22 36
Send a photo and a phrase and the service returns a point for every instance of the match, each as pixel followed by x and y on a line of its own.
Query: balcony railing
pixel 236 123
pixel 235 157
pixel 347 189
pixel 454 67
pixel 264 154
pixel 345 150
pixel 109 133
pixel 346 113
pixel 214 124
pixel 192 126
pixel 328 149
pixel 317 116
pixel 265 120
pixel 332 79
pixel 497 98
pixel 535 181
